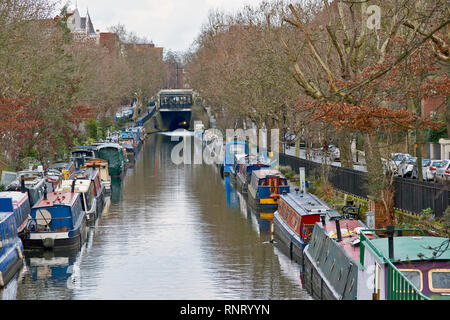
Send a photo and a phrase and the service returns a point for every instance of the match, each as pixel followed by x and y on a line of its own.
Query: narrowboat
pixel 265 187
pixel 57 222
pixel 294 221
pixel 231 149
pixel 245 169
pixel 331 259
pixel 11 248
pixel 33 182
pixel 238 159
pixel 20 207
pixel 80 154
pixel 66 168
pixel 113 153
pixel 88 183
pixel 102 167
pixel 401 267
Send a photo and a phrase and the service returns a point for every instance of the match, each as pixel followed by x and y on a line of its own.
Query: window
pixel 413 275
pixel 439 280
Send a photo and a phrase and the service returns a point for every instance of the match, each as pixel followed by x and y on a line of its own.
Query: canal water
pixel 171 232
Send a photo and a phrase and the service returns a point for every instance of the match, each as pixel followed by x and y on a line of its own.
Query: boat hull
pixel 285 237
pixel 56 240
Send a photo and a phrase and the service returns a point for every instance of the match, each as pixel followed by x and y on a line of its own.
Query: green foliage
pixel 92 128
pixel 427 216
pixel 446 219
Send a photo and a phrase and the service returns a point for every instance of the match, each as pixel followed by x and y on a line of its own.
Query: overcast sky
pixel 172 24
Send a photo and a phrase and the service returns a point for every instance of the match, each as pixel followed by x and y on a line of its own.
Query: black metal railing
pixel 410 195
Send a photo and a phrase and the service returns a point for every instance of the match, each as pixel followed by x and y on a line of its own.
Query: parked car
pixel 429 169
pixel 425 165
pixel 396 160
pixel 407 167
pixel 442 171
pixel 333 152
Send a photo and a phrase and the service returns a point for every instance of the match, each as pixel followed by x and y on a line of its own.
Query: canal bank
pixel 170 233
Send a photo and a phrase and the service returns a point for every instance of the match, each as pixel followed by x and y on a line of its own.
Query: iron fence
pixel 410 195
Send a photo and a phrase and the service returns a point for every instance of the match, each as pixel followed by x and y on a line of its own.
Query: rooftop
pixel 412 248
pixel 307 203
pixel 58 198
pixel 262 173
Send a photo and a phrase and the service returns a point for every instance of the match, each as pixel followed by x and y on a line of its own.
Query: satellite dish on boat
pixel 43 217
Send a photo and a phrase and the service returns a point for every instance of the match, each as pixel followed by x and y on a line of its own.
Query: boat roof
pixel 88 173
pixel 307 203
pixel 61 165
pixel 57 198
pixel 98 163
pixel 109 145
pixel 17 197
pixel 236 142
pixel 81 185
pixel 4 215
pixel 262 173
pixel 349 230
pixel 410 248
pixel 85 148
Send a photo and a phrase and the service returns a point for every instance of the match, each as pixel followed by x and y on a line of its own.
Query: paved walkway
pixel 317 157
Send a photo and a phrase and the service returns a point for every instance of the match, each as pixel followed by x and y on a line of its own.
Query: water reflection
pixel 116 189
pixel 172 232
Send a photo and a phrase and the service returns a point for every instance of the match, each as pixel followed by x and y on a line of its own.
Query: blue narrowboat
pixel 57 221
pixel 245 169
pixel 294 221
pixel 11 248
pixel 266 186
pixel 21 207
pixel 231 149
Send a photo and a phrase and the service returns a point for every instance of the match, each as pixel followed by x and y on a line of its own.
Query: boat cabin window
pixel 439 280
pixel 413 275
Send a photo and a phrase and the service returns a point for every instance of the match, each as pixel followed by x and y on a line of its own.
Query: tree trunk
pixel 344 139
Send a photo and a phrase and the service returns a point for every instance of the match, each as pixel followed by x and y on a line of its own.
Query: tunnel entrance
pixel 179 122
pixel 173 120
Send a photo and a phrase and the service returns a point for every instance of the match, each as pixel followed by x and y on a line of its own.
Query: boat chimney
pixel 322 218
pixel 338 231
pixel 45 192
pixel 297 189
pixel 390 231
pixel 73 186
pixel 22 184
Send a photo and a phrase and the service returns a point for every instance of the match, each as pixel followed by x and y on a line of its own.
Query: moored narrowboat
pixel 245 169
pixel 265 187
pixel 33 182
pixel 21 208
pixel 80 154
pixel 57 222
pixel 231 149
pixel 331 259
pixel 113 153
pixel 11 248
pixel 294 221
pixel 102 167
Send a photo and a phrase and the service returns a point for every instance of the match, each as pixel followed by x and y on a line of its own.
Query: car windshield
pixel 399 157
pixel 425 162
pixel 441 164
pixel 412 160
